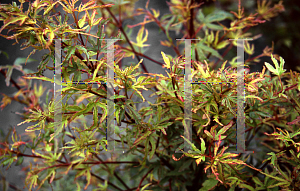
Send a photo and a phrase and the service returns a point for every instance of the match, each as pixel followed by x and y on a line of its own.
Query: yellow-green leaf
pixel 166 60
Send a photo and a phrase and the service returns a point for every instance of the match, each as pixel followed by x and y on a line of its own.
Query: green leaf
pixel 97 69
pixel 217 15
pixel 137 141
pixel 88 108
pixel 153 146
pixel 274 177
pixel 137 117
pixel 208 134
pixel 215 53
pixel 84 50
pixel 175 173
pixel 279 69
pixel 280 184
pixel 167 27
pixel 214 27
pixel 270 68
pixel 222 44
pixel 203 148
pixel 241 185
pixel 209 184
pixel 70 52
pixel 192 144
pixel 20 160
pixel 8 75
pixel 139 38
pixel 6 55
pixel 200 15
pixel 13 20
pixel 144 187
pixel 20 61
pixel 263 114
pixel 49 8
pixel 81 21
pixel 257 181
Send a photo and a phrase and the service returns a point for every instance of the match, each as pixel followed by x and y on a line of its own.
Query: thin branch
pixel 109 183
pixel 117 176
pixel 125 35
pixel 143 179
pixel 141 54
pixel 9 184
pixel 11 80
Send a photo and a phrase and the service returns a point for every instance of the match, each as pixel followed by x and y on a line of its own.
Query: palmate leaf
pixel 217 15
pixel 139 38
pixel 279 69
pixel 202 47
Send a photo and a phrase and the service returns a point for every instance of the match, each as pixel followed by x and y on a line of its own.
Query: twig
pixel 114 173
pixel 143 179
pixel 9 184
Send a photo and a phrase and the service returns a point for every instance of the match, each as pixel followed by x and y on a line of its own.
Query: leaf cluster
pixel 153 134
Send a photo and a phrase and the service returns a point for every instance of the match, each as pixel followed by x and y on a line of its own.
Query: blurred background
pixel 283 30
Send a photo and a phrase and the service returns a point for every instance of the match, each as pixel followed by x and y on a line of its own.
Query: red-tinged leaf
pixel 52 177
pixel 12 20
pixel 166 43
pixel 81 21
pixel 208 134
pixel 297 120
pixel 89 3
pixel 216 174
pixel 39 78
pixel 217 146
pixel 225 128
pixel 164 131
pixel 50 7
pixel 17 144
pixel 99 6
pixel 205 169
pixel 202 158
pixel 137 141
pixel 88 179
pixel 221 153
pixel 97 21
pixel 227 155
pixel 66 9
pixel 280 184
pixel 5 101
pixel 174 158
pixel 77 31
pixel 93 17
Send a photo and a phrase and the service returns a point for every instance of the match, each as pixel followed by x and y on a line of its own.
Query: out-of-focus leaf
pixel 209 184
